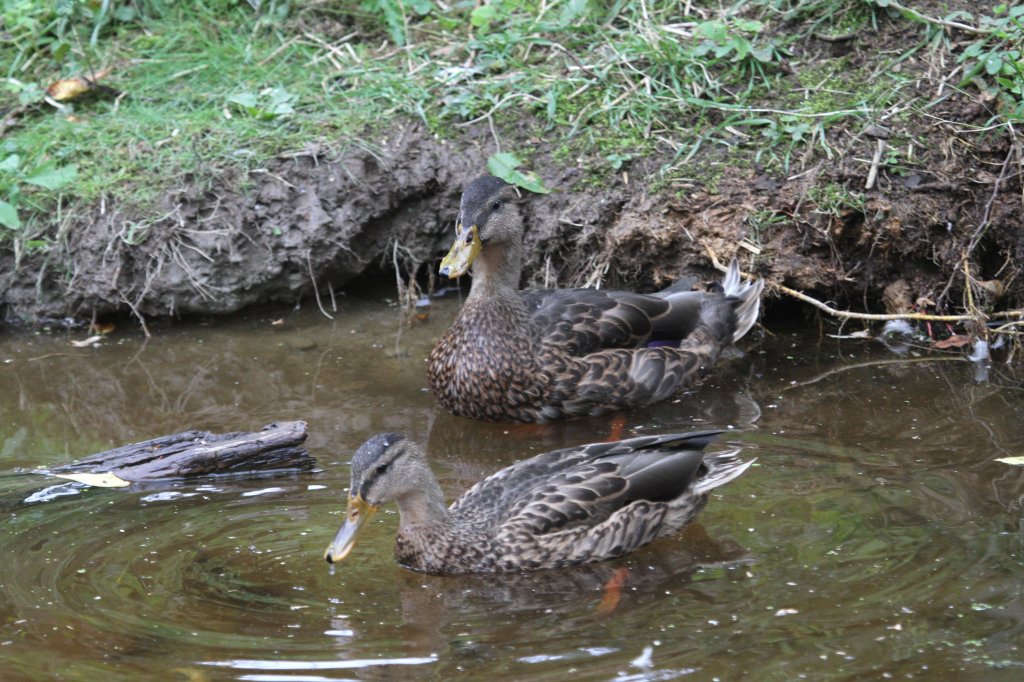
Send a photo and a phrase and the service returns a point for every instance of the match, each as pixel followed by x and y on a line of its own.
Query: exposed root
pixel 316 290
pixel 409 292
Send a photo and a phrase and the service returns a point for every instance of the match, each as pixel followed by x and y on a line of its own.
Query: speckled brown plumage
pixel 539 355
pixel 570 506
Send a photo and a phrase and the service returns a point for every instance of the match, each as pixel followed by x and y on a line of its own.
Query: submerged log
pixel 195 453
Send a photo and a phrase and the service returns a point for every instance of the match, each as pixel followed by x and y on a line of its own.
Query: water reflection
pixel 876 535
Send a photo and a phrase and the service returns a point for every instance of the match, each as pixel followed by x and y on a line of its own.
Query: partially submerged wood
pixel 194 453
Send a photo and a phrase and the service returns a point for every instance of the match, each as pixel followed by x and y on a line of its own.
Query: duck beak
pixel 466 247
pixel 358 512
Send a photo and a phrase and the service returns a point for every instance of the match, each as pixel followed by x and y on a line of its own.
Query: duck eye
pixel 382 468
pixel 496 205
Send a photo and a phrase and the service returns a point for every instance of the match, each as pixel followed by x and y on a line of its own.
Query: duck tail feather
pixel 747 296
pixel 722 468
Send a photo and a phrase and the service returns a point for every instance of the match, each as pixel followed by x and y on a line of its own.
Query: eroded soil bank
pixel 307 224
pixel 895 208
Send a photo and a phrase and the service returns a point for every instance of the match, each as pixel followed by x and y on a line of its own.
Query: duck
pixel 570 506
pixel 538 355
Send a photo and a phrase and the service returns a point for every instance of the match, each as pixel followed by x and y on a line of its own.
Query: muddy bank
pixel 307 224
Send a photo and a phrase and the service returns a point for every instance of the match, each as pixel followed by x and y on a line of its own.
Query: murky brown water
pixel 875 538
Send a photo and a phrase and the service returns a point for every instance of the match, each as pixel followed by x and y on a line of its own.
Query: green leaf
pixel 715 31
pixel 993 63
pixel 571 11
pixel 246 100
pixel 392 12
pixel 51 177
pixel 973 50
pixel 125 14
pixel 742 48
pixel 422 7
pixel 749 25
pixel 281 102
pixel 9 216
pixel 10 164
pixel 482 16
pixel 504 166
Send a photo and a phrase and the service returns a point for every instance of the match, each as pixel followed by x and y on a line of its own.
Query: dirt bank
pixel 308 224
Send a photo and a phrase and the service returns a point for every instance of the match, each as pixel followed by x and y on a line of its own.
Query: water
pixel 875 538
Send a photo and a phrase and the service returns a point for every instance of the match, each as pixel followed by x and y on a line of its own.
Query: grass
pixel 214 88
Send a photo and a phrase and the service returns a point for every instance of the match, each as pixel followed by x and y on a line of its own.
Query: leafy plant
pixel 997 56
pixel 269 103
pixel 393 13
pixel 47 175
pixel 503 165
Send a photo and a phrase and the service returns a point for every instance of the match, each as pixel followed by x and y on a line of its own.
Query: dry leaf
pixel 87 342
pixel 1015 461
pixel 104 480
pixel 278 322
pixel 955 341
pixel 993 287
pixel 67 89
pixel 613 591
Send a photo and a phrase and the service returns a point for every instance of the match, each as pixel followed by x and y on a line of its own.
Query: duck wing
pixel 583 321
pixel 584 484
pixel 590 492
pixel 609 505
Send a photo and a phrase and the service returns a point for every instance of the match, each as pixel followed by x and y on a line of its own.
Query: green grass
pixel 212 89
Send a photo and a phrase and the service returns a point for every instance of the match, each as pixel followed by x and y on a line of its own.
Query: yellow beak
pixel 466 247
pixel 359 511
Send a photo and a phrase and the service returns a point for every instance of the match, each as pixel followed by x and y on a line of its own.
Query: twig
pixel 873 173
pixel 186 72
pixel 969 290
pixel 138 315
pixel 322 43
pixel 504 100
pixel 939 22
pixel 874 363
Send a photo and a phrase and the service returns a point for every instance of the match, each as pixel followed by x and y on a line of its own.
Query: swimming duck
pixel 571 506
pixel 540 355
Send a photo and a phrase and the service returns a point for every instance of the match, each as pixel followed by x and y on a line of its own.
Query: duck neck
pixel 496 272
pixel 423 502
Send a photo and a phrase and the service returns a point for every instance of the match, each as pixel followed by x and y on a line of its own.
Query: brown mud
pixel 307 224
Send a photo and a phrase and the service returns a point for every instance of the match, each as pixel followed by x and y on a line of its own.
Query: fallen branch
pixel 193 453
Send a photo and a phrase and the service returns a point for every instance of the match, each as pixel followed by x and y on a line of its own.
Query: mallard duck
pixel 570 506
pixel 539 355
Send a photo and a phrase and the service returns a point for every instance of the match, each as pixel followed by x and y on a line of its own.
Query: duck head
pixel 377 477
pixel 488 214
